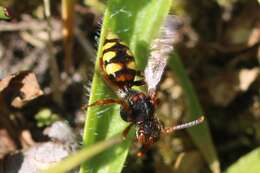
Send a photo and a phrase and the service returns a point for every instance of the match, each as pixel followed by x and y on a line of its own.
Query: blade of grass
pixel 54 70
pixel 200 135
pixel 136 22
pixel 248 163
pixel 83 155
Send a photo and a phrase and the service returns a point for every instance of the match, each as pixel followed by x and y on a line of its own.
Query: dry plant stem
pixel 32 40
pixel 68 32
pixel 22 26
pixel 54 71
pixel 89 50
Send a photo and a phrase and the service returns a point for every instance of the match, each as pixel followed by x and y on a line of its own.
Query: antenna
pixel 168 130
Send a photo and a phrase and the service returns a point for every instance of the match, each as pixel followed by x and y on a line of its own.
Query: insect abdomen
pixel 118 62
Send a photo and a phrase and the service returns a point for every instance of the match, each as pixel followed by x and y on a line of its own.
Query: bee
pixel 118 68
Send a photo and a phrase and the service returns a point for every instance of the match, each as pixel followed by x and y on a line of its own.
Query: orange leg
pixel 108 101
pixel 139 83
pixel 142 151
pixel 126 131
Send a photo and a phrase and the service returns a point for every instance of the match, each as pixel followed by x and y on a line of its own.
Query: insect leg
pixel 168 130
pixel 139 83
pixel 108 101
pixel 139 73
pixel 126 131
pixel 142 151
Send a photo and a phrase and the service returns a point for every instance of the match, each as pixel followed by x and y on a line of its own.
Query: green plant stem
pixel 200 135
pixel 137 23
pixel 85 154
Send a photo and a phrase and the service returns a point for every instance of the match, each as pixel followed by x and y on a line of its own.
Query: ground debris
pixel 20 88
pixel 39 157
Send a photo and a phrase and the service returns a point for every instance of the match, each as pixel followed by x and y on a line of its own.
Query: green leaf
pixel 4 13
pixel 136 22
pixel 201 134
pixel 84 154
pixel 248 163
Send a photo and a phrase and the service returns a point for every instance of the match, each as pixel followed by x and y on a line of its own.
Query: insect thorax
pixel 140 105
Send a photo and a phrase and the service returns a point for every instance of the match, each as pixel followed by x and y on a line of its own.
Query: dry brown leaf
pixel 18 89
pixel 254 37
pixel 5 81
pixel 247 77
pixel 225 87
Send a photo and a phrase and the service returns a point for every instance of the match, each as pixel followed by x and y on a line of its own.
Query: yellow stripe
pixel 109 55
pixel 129 53
pixel 123 43
pixel 111 36
pixel 108 45
pixel 131 65
pixel 112 68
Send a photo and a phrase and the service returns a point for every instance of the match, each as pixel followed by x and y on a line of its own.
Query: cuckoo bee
pixel 118 68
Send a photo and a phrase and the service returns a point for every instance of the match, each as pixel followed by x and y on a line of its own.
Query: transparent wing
pixel 161 48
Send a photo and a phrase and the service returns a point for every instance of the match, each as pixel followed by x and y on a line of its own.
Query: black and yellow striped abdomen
pixel 118 62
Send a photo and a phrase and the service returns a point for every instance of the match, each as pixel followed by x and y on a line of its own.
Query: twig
pixel 89 50
pixel 21 26
pixel 54 71
pixel 68 33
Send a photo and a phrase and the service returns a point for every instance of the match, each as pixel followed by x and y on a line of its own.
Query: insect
pixel 118 68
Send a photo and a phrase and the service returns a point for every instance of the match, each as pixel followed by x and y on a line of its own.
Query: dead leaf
pixel 247 77
pixel 223 88
pixel 18 89
pixel 226 86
